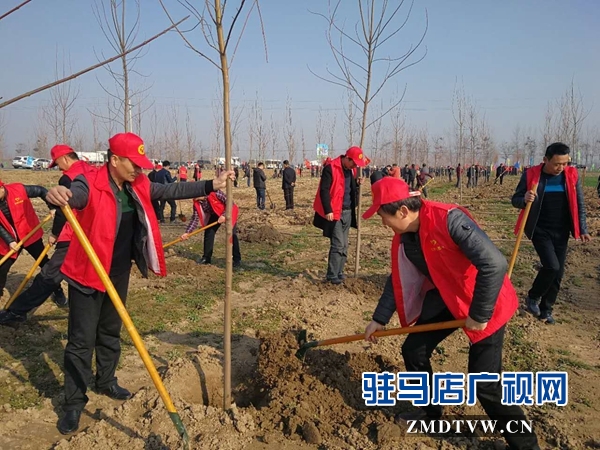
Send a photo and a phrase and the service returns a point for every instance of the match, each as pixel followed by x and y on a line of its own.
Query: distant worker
pixel 288 183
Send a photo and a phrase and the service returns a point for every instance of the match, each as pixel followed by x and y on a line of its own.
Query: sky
pixel 512 57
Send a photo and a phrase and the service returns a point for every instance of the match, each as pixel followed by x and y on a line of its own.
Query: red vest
pixel 98 220
pixel 182 173
pixel 218 208
pixel 23 215
pixel 76 169
pixel 451 271
pixel 534 174
pixel 336 191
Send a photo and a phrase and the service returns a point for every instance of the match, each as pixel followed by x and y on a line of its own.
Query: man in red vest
pixel 47 282
pixel 17 219
pixel 444 267
pixel 183 173
pixel 335 208
pixel 558 211
pixel 208 210
pixel 116 214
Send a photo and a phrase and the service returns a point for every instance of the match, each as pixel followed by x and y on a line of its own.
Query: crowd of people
pixel 443 265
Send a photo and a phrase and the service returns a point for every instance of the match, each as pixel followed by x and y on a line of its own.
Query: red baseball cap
pixel 57 151
pixel 130 146
pixel 388 190
pixel 356 155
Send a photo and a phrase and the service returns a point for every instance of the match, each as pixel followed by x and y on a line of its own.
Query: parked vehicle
pixel 18 161
pixel 41 163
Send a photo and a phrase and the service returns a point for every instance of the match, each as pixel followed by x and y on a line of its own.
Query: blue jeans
pixel 260 198
pixel 338 250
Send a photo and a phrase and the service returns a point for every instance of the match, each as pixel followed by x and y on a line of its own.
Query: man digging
pixel 444 267
pixel 116 214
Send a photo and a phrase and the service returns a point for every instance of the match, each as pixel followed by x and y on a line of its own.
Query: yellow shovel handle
pixel 127 322
pixel 199 230
pixel 513 258
pixel 28 276
pixel 26 238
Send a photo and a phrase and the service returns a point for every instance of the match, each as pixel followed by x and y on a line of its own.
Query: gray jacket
pixel 484 255
pixel 158 191
pixel 518 201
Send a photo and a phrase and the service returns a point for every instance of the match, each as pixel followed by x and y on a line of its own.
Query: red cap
pixel 57 151
pixel 388 190
pixel 356 155
pixel 130 146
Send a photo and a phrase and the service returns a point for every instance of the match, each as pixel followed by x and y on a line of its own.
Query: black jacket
pixel 484 255
pixel 324 189
pixel 518 201
pixel 259 178
pixel 163 176
pixel 32 192
pixel 289 177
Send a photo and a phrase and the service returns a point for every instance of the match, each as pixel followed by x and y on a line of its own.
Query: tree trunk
pixel 228 211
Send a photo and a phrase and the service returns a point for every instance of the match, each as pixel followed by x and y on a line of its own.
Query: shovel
pixel 305 346
pixel 181 214
pixel 26 238
pixel 28 276
pixel 128 324
pixel 513 257
pixel 272 204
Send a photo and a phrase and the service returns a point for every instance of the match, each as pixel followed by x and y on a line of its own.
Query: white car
pixel 19 161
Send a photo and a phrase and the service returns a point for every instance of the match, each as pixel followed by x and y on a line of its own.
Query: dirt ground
pixel 280 401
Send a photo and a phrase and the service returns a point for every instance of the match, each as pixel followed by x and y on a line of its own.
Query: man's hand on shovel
pixel 373 326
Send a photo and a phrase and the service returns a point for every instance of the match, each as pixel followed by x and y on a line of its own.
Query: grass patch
pixel 566 362
pixel 523 355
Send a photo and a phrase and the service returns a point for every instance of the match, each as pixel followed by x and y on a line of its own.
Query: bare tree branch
pixel 14 9
pixel 89 69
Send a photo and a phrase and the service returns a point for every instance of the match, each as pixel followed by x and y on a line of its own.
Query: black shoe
pixel 334 281
pixel 203 260
pixel 11 319
pixel 237 266
pixel 59 298
pixel 341 276
pixel 532 306
pixel 70 422
pixel 545 315
pixel 116 392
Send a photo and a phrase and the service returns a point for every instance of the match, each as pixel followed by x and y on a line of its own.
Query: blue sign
pixel 322 150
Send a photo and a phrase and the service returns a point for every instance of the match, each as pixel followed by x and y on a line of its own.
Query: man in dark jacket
pixel 335 208
pixel 287 184
pixel 17 219
pixel 115 212
pixel 48 281
pixel 163 176
pixel 444 267
pixel 260 184
pixel 558 210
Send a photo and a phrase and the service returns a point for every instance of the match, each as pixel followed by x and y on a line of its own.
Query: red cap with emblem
pixel 130 146
pixel 356 155
pixel 388 190
pixel 57 151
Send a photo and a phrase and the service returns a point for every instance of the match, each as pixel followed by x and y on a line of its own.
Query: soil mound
pixel 261 233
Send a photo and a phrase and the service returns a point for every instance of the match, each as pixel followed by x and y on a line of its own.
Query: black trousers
pixel 484 356
pixel 209 240
pixel 288 194
pixel 551 247
pixel 94 324
pixel 35 250
pixel 173 206
pixel 44 284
